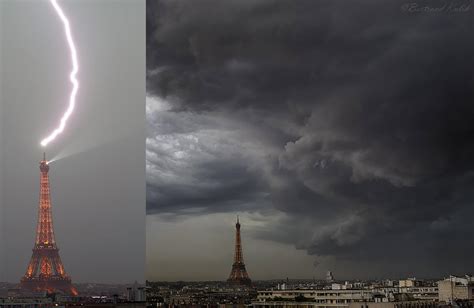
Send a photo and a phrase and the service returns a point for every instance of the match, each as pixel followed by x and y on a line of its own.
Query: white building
pixel 136 293
pixel 312 298
pixel 454 288
pixel 409 283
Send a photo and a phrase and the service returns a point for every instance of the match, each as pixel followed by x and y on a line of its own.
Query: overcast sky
pixel 98 185
pixel 341 132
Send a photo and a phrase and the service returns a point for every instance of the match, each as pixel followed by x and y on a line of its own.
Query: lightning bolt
pixel 72 76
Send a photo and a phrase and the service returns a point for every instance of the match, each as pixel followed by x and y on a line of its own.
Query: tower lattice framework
pixel 45 271
pixel 238 274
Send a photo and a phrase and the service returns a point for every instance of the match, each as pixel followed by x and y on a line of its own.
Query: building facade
pixel 313 298
pixel 456 288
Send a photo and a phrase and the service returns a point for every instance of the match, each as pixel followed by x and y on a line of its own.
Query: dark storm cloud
pixel 365 111
pixel 193 161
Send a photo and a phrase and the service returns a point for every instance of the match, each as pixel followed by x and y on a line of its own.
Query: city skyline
pixel 340 132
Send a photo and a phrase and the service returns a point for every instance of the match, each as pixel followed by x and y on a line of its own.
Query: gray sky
pixel 341 131
pixel 98 185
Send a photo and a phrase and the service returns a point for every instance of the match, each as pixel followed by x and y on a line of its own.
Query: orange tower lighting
pixel 238 274
pixel 45 271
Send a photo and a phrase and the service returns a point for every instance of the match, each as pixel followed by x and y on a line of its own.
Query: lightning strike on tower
pixel 45 272
pixel 72 76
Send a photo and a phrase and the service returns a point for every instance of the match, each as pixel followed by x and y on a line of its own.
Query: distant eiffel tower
pixel 239 274
pixel 45 271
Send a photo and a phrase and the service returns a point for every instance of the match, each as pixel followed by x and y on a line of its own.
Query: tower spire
pixel 45 271
pixel 238 274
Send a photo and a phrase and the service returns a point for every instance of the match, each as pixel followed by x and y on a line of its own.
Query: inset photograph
pixel 72 153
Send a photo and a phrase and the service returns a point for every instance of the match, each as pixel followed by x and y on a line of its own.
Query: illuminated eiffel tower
pixel 238 274
pixel 45 271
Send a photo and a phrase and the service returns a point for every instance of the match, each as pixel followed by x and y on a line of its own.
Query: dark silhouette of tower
pixel 239 274
pixel 45 271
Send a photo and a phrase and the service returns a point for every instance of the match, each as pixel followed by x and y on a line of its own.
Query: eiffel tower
pixel 238 274
pixel 45 271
